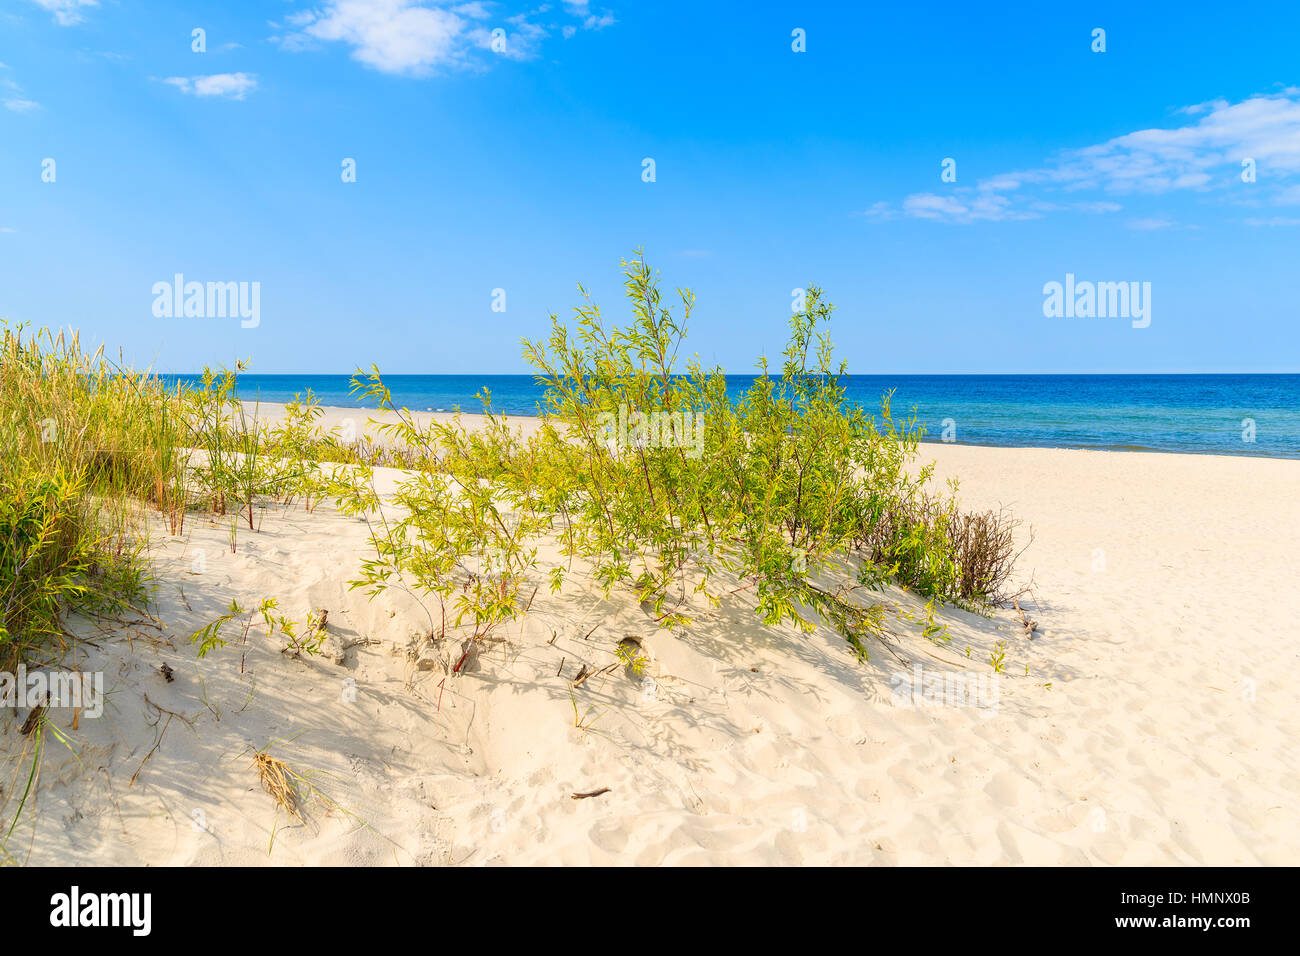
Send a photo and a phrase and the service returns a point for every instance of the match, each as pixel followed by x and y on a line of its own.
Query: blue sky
pixel 522 169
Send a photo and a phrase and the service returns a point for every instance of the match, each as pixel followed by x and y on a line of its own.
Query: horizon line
pixel 756 374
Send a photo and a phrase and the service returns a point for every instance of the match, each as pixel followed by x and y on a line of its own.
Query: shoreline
pixel 339 415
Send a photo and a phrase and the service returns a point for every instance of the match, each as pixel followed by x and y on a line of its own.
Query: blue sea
pixel 1173 413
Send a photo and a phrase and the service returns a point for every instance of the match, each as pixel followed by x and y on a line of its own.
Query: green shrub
pixel 657 480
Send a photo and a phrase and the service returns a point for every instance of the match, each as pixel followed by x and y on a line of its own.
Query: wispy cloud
pixel 476 10
pixel 880 210
pixel 590 20
pixel 233 86
pixel 1199 156
pixel 1289 196
pixel 966 205
pixel 67 13
pixel 418 37
pixel 1273 221
pixel 15 100
pixel 1151 224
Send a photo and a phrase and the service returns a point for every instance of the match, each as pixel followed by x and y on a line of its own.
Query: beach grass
pixel 88 444
pixel 650 481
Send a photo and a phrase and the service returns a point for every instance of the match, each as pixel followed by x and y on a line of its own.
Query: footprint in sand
pixel 845 727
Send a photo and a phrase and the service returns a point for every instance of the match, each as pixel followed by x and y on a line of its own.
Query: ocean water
pixel 1174 413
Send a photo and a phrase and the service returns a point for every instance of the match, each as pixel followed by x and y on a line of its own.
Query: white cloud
pixel 7 229
pixel 417 37
pixel 965 205
pixel 16 102
pixel 880 210
pixel 1096 207
pixel 1197 156
pixel 930 206
pixel 1151 224
pixel 1274 221
pixel 233 85
pixel 1289 196
pixel 590 21
pixel 1200 156
pixel 66 12
pixel 392 36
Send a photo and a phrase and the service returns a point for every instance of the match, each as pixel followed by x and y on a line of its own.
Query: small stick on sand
pixel 162 733
pixel 590 793
pixel 583 678
pixel 1030 626
pixel 152 750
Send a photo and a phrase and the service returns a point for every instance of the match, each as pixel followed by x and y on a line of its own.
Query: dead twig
pixel 156 744
pixel 1029 626
pixel 585 675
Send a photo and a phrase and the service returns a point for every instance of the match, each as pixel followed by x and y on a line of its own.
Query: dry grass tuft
pixel 279 781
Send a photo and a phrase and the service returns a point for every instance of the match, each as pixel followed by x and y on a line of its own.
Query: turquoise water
pixel 1175 413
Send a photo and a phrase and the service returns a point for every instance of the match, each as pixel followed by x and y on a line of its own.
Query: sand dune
pixel 1156 724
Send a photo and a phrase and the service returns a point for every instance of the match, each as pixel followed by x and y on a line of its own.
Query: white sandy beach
pixel 1157 723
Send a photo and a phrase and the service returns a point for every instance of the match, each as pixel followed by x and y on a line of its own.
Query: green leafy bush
pixel 655 480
